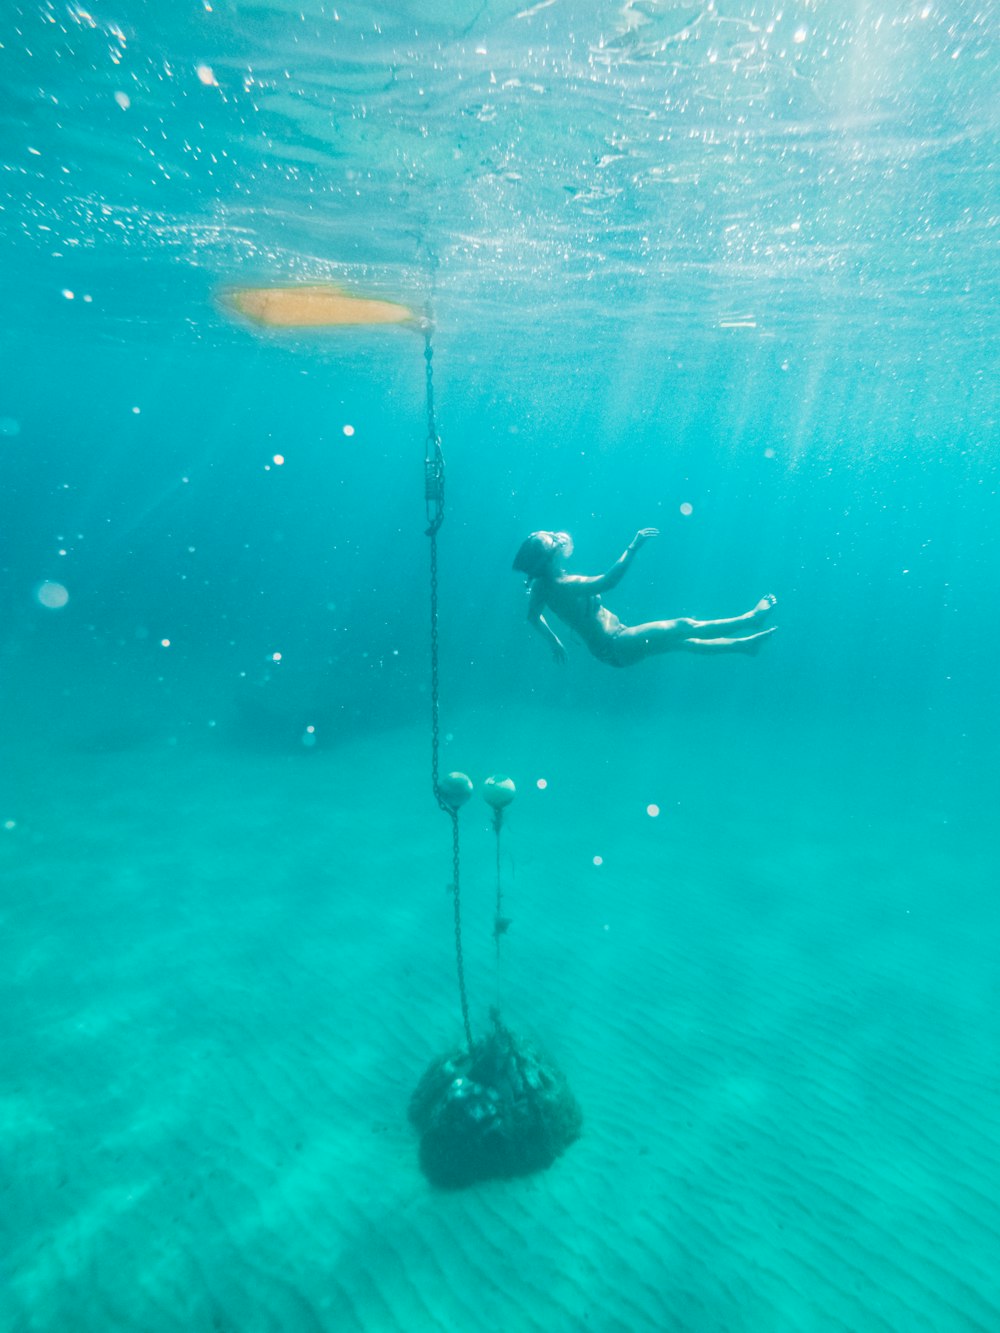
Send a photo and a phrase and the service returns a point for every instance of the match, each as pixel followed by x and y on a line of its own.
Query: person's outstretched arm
pixel 536 605
pixel 601 582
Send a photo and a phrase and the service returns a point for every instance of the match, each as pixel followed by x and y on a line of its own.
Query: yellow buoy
pixel 312 306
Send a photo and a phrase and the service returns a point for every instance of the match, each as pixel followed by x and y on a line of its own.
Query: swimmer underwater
pixel 575 599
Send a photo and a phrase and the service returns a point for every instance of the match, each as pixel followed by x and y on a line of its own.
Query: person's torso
pixel 580 610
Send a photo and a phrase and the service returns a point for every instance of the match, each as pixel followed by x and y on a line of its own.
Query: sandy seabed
pixel 224 972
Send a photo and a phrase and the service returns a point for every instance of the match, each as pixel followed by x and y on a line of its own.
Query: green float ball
pixel 455 789
pixel 499 791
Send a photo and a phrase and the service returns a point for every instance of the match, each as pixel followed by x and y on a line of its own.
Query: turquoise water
pixel 726 269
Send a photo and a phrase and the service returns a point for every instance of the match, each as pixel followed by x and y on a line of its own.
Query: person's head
pixel 541 552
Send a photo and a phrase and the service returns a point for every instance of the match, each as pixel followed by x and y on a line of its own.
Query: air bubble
pixel 52 595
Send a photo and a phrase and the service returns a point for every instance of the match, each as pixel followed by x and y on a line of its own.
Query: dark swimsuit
pixel 604 644
pixel 607 647
pixel 608 651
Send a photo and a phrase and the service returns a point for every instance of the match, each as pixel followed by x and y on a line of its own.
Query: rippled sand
pixel 225 971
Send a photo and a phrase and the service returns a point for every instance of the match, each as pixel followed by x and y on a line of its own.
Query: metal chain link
pixel 458 928
pixel 434 502
pixel 499 925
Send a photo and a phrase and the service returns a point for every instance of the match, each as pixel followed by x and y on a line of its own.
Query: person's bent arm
pixel 601 582
pixel 537 621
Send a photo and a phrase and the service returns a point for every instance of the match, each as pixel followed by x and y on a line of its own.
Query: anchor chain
pixel 434 503
pixel 458 929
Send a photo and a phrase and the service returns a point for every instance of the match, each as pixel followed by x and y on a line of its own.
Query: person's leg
pixel 750 643
pixel 720 629
pixel 664 636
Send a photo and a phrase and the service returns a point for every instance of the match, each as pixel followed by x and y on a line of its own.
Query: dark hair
pixel 533 554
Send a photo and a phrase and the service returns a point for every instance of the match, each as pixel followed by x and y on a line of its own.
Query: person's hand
pixel 643 536
pixel 559 653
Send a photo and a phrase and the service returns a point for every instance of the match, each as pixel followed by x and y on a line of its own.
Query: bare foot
pixel 765 606
pixel 751 644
